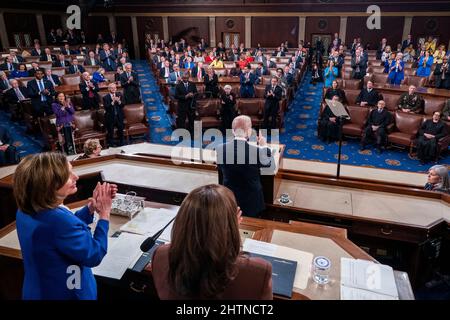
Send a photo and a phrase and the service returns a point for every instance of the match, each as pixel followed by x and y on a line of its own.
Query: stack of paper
pixel 304 259
pixel 149 221
pixel 366 280
pixel 123 252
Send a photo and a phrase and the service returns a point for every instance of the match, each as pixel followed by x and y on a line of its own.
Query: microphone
pixel 148 243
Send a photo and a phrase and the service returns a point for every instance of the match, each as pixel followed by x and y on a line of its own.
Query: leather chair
pixel 379 78
pixel 60 71
pixel 442 144
pixel 254 108
pixel 208 110
pixel 353 84
pixel 91 69
pixel 49 133
pixel 86 127
pixel 355 126
pixel 266 79
pixel 415 80
pixel 259 91
pixel 273 72
pixel 77 101
pixel 45 64
pixel 110 76
pixel 405 129
pixel 376 69
pixel 351 96
pixel 136 123
pixel 432 105
pixel 24 81
pixel 71 79
pixel 391 101
pixel 201 91
pixel 410 72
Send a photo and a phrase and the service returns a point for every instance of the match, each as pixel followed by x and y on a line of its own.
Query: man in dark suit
pixel 41 92
pixel 75 67
pixel 185 93
pixel 113 104
pixel 34 67
pixel 8 65
pixel 269 63
pixel 67 51
pixel 368 97
pixel 112 38
pixel 195 70
pixel 51 38
pixel 130 84
pixel 247 81
pixel 442 74
pixel 240 166
pixel 61 62
pixel 53 78
pixel 14 97
pixel 166 70
pixel 359 65
pixel 272 94
pixel 108 58
pixel 8 153
pixel 16 58
pixel 377 122
pixel 48 56
pixel 36 51
pixel 407 42
pixel 259 72
pixel 91 60
pixel 89 90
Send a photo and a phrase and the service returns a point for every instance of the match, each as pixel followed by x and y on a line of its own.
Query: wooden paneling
pixel 191 29
pixel 391 28
pixel 51 21
pixel 20 22
pixel 96 25
pixel 431 26
pixel 319 25
pixel 124 31
pixel 272 31
pixel 230 24
pixel 150 25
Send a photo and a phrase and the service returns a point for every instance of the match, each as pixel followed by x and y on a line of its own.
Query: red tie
pixel 91 93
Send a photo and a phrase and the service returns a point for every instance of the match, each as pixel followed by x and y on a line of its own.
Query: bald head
pixel 242 126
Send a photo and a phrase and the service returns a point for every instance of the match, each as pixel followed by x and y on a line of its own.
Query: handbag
pixel 127 205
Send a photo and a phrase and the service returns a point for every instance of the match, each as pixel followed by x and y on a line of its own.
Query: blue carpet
pixel 25 144
pixel 300 138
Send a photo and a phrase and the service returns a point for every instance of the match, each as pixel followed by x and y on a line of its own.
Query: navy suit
pixel 55 79
pixel 35 53
pixel 247 88
pixel 72 69
pixel 271 105
pixel 39 106
pixel 61 64
pixel 4 66
pixel 241 174
pixel 131 91
pixel 90 95
pixel 66 53
pixel 55 245
pixel 88 62
pixel 108 62
pixel 114 117
pixel 44 57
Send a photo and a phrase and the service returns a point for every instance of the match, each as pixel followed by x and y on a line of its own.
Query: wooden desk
pixel 319 240
pixel 399 89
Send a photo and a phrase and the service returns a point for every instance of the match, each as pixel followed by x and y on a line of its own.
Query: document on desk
pixel 149 221
pixel 366 280
pixel 303 259
pixel 123 252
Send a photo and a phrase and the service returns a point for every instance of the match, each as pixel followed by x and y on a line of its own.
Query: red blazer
pixel 253 282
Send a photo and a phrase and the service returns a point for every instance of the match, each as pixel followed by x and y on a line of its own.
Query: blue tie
pixel 41 88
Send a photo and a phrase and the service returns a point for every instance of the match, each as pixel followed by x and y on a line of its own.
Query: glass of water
pixel 321 270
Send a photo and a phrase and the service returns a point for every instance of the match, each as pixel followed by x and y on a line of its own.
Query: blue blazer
pixel 247 89
pixel 54 243
pixel 97 77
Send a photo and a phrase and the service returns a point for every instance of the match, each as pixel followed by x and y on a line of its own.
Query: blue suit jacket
pixel 247 89
pixel 54 243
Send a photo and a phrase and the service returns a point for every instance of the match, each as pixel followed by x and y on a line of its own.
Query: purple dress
pixel 63 117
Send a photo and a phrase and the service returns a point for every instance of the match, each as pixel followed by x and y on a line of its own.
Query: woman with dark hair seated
pixel 438 179
pixel 430 133
pixel 204 258
pixel 336 91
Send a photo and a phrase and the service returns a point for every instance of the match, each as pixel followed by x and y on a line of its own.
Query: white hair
pixel 127 65
pixel 241 126
pixel 227 87
pixel 442 172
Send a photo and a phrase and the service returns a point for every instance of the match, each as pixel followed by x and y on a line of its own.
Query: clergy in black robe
pixel 227 107
pixel 377 122
pixel 328 126
pixel 368 97
pixel 336 91
pixel 430 133
pixel 410 101
pixel 130 84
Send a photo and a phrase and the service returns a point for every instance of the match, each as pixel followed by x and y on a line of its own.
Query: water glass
pixel 321 270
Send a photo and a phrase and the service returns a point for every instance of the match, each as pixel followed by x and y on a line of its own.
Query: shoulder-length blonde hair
pixel 37 179
pixel 205 243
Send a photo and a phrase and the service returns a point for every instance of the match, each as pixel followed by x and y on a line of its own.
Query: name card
pixel 15 50
pixel 56 49
pixel 80 57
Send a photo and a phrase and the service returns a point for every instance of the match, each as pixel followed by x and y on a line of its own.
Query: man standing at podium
pixel 240 162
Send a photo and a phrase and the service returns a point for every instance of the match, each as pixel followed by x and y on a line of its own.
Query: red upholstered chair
pixel 355 126
pixel 351 96
pixel 353 84
pixel 432 105
pixel 71 79
pixel 379 78
pixel 405 130
pixel 391 101
pixel 415 80
pixel 259 91
pixel 207 110
pixel 87 127
pixel 254 108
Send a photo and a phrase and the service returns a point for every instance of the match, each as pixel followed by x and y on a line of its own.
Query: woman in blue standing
pixel 58 248
pixel 330 74
pixel 397 70
pixel 425 63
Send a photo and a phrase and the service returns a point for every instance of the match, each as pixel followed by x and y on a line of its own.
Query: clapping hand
pixel 239 215
pixel 101 200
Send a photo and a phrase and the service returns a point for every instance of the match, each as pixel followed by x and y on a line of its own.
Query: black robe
pixel 426 148
pixel 371 97
pixel 327 130
pixel 227 110
pixel 336 92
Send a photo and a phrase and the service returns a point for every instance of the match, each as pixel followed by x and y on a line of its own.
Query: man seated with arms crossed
pixel 240 163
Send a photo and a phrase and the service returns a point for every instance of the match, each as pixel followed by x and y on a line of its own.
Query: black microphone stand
pixel 341 123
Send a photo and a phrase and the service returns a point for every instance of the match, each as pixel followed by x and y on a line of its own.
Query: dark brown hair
pixel 37 179
pixel 205 243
